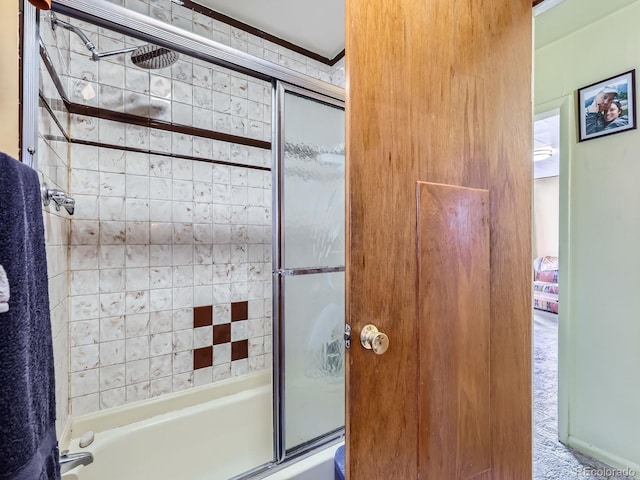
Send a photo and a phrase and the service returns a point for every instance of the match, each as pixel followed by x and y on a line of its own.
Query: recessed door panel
pixel 454 331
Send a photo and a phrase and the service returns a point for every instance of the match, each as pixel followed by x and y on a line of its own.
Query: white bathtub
pixel 206 433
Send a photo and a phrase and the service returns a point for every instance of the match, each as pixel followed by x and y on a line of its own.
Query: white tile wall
pixel 52 165
pixel 139 266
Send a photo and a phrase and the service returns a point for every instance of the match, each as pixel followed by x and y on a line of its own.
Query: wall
pixel 599 304
pixel 53 169
pixel 157 242
pixel 169 257
pixel 546 211
pixel 53 165
pixel 9 93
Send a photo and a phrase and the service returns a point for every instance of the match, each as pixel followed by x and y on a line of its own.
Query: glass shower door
pixel 309 255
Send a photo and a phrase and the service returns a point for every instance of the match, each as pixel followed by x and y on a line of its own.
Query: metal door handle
pixel 372 339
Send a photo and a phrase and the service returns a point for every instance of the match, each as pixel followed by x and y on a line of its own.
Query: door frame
pixel 566 363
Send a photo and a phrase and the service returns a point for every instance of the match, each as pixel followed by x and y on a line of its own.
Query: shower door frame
pixel 280 272
pixel 108 15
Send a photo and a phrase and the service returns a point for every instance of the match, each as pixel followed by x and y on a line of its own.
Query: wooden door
pixel 439 126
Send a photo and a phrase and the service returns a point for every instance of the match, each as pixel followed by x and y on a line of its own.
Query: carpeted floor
pixel 551 459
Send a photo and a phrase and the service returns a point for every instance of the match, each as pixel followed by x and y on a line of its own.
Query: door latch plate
pixel 347 336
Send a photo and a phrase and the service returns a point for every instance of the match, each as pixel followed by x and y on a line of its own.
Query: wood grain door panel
pixel 454 331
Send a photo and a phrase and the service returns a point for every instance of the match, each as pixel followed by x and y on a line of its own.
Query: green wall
pixel 599 242
pixel 545 216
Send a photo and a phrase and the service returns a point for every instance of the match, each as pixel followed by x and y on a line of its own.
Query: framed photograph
pixel 607 107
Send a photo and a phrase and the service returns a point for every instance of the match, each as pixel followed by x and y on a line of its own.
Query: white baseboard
pixel 622 464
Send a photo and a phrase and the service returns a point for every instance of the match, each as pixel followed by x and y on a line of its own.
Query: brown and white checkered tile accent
pixel 227 338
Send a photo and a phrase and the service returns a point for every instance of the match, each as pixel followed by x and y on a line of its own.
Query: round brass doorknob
pixel 372 339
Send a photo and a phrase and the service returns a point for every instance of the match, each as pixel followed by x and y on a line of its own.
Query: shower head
pixel 147 56
pixel 152 56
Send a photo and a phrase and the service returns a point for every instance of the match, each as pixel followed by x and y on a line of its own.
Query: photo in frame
pixel 607 107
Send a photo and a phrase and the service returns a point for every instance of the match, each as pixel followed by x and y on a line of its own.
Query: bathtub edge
pixel 114 417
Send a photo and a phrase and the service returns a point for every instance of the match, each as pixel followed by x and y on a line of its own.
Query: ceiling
pixel 315 26
pixel 319 26
pixel 569 16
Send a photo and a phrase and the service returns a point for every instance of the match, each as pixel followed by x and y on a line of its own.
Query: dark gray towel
pixel 28 444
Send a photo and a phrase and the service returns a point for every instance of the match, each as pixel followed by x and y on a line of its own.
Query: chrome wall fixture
pixel 59 198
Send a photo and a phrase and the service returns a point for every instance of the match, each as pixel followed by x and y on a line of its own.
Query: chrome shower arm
pixel 95 54
pixel 112 53
pixel 56 22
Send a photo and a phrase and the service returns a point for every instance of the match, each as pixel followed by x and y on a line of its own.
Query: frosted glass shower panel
pixel 314 356
pixel 313 178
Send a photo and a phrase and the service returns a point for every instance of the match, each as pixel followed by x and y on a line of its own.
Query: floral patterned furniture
pixel 545 284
